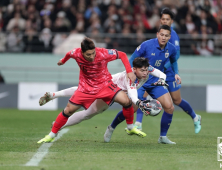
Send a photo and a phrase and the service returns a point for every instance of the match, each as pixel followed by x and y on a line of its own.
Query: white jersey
pixel 121 80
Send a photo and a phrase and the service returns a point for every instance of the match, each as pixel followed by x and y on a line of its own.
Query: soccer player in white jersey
pixel 141 69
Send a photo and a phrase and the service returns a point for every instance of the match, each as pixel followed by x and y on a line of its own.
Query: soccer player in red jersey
pixel 95 82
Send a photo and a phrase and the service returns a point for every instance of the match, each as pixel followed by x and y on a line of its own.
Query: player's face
pixel 89 55
pixel 163 37
pixel 166 20
pixel 141 73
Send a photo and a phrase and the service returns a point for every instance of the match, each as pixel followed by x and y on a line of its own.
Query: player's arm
pixel 64 59
pixel 157 73
pixel 126 63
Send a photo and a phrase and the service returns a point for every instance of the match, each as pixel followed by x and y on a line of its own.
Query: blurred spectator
pixel 206 46
pixel 93 8
pixel 58 39
pixel 190 26
pixel 80 24
pixel 2 41
pixel 14 40
pixel 46 39
pixel 31 41
pixel 62 24
pixel 16 21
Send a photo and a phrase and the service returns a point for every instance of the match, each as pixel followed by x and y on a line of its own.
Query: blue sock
pixel 118 119
pixel 187 108
pixel 165 123
pixel 139 116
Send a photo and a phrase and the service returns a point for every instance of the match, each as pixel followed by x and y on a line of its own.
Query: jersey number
pixel 158 63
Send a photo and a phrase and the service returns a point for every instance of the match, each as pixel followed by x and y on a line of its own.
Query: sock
pixel 139 116
pixel 118 119
pixel 130 126
pixel 138 123
pixel 59 122
pixel 64 93
pixel 187 108
pixel 165 123
pixel 128 113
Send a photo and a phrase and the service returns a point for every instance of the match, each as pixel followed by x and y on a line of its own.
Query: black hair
pixel 167 11
pixel 87 44
pixel 165 27
pixel 140 62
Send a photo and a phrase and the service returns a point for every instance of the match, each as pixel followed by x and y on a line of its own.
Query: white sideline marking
pixel 43 150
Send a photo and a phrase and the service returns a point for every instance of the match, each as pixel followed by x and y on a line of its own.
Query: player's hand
pixel 160 82
pixel 60 63
pixel 178 79
pixel 131 76
pixel 144 106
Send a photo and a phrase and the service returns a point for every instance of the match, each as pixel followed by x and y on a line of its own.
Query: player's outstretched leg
pixel 196 118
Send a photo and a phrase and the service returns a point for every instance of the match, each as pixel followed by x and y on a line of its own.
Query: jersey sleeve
pixel 111 54
pixel 141 50
pixel 70 54
pixel 156 73
pixel 175 40
pixel 173 60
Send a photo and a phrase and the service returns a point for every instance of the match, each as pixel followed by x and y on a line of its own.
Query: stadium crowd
pixel 41 25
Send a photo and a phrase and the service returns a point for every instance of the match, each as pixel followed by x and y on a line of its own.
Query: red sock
pixel 128 114
pixel 59 122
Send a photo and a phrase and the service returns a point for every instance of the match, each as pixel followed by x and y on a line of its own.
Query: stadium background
pixel 35 34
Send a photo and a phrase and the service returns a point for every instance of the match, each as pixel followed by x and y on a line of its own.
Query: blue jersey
pixel 175 41
pixel 157 57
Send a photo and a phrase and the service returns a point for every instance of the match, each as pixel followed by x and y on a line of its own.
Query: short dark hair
pixel 140 62
pixel 87 44
pixel 165 27
pixel 167 11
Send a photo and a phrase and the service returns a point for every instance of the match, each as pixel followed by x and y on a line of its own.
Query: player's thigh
pixel 122 99
pixel 176 97
pixel 99 106
pixel 166 103
pixel 135 107
pixel 70 109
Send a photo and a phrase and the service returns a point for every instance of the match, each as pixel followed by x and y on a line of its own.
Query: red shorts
pixel 107 94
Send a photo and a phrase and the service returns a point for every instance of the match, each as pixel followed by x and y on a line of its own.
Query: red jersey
pixel 93 75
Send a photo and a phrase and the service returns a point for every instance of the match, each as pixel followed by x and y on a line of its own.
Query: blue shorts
pixel 154 91
pixel 173 86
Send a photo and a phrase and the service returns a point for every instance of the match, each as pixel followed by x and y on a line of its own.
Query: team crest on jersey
pixel 138 48
pixel 166 54
pixel 112 52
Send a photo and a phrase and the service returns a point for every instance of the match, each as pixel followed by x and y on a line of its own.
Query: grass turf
pixel 82 148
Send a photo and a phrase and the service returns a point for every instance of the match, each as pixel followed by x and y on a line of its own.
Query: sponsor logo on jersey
pixel 153 54
pixel 138 48
pixel 177 43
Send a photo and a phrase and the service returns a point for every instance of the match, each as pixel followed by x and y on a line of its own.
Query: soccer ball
pixel 155 107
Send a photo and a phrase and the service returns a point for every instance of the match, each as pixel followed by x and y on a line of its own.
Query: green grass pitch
pixel 82 147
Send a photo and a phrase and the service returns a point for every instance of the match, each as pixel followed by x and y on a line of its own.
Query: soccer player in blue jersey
pixel 166 18
pixel 158 51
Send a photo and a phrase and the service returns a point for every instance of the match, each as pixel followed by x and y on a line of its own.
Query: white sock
pixel 64 93
pixel 130 126
pixel 52 135
pixel 138 123
pixel 195 119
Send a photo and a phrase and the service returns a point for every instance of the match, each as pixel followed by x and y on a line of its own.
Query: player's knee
pixel 177 101
pixel 127 103
pixel 68 111
pixel 169 108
